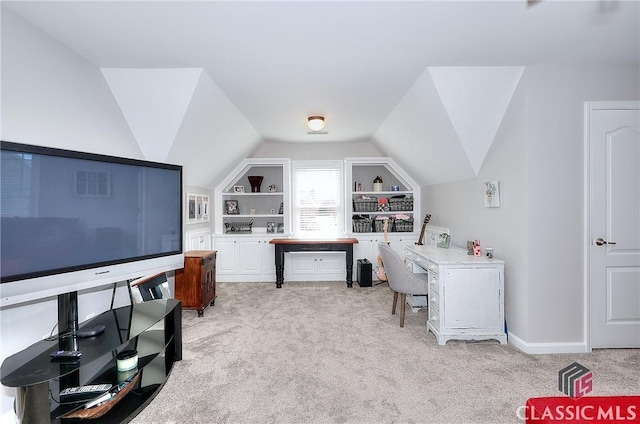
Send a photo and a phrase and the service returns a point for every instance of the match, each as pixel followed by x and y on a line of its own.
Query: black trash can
pixel 363 273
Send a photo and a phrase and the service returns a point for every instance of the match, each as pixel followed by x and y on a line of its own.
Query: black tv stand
pixel 153 328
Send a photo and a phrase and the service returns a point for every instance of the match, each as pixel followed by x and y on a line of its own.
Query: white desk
pixel 465 293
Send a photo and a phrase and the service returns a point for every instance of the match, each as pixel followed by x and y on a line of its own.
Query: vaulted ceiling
pixel 354 62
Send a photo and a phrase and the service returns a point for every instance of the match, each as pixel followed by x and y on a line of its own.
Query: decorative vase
pixel 377 184
pixel 255 181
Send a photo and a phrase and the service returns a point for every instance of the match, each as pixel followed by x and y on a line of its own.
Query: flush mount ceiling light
pixel 315 123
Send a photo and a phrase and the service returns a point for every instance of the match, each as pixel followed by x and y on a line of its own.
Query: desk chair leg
pixel 395 301
pixel 403 299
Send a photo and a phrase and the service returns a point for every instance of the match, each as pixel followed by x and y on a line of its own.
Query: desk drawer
pixel 434 317
pixel 434 284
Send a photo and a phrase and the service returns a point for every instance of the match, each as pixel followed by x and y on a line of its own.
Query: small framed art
pixel 197 208
pixel 238 189
pixel 231 207
pixel 492 194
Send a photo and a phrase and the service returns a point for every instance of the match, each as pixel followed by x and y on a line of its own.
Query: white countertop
pixel 453 255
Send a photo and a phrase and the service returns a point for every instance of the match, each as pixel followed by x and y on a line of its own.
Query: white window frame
pixel 338 231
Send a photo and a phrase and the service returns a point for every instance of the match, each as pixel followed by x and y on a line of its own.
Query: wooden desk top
pixel 344 240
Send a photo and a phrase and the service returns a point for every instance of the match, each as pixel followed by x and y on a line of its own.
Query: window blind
pixel 317 199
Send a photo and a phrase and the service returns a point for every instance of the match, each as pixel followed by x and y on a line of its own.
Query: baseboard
pixel 545 348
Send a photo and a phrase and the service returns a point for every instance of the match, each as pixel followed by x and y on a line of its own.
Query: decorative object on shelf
pixel 492 194
pixel 271 227
pixel 231 207
pixel 238 189
pixel 255 181
pixel 280 228
pixel 470 247
pixel 315 123
pixel 252 211
pixel 395 188
pixel 377 183
pixel 281 210
pixel 240 227
pixel 383 205
pixel 444 240
pixel 489 252
pixel 477 251
pixel 273 211
pixel 358 186
pixel 127 360
pixel 272 188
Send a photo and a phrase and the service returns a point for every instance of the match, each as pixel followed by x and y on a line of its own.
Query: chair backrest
pixel 401 279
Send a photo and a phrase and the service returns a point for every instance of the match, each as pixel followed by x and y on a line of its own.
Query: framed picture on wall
pixel 191 207
pixel 197 208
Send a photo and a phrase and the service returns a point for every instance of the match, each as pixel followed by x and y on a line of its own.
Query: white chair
pixel 401 279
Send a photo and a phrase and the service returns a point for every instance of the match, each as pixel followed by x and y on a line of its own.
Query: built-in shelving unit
pixel 243 211
pixel 397 198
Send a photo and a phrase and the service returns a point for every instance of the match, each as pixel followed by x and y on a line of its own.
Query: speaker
pixel 363 273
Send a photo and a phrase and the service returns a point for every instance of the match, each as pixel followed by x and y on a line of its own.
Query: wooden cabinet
pixel 196 282
pixel 465 293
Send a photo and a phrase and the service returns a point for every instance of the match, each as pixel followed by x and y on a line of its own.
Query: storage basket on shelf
pixel 361 224
pixel 403 225
pixel 240 227
pixel 379 225
pixel 400 204
pixel 365 204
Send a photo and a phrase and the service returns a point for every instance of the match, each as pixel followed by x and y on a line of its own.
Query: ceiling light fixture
pixel 315 123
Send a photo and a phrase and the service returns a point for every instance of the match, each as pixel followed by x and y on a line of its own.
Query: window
pixel 93 184
pixel 20 176
pixel 317 199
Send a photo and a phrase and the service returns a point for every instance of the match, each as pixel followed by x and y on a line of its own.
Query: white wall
pixel 460 207
pixel 555 184
pixel 315 151
pixel 538 158
pixel 213 137
pixel 52 97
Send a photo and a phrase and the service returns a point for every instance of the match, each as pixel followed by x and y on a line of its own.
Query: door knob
pixel 600 241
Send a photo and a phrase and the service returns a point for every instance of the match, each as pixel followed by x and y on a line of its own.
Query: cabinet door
pixel 269 260
pixel 472 298
pixel 199 240
pixel 250 256
pixel 367 248
pixel 228 253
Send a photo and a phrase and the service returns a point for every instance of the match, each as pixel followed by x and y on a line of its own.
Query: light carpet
pixel 323 353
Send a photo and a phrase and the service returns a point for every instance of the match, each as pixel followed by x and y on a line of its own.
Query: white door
pixel 614 227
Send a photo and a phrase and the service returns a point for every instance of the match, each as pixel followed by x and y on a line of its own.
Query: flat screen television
pixel 72 221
